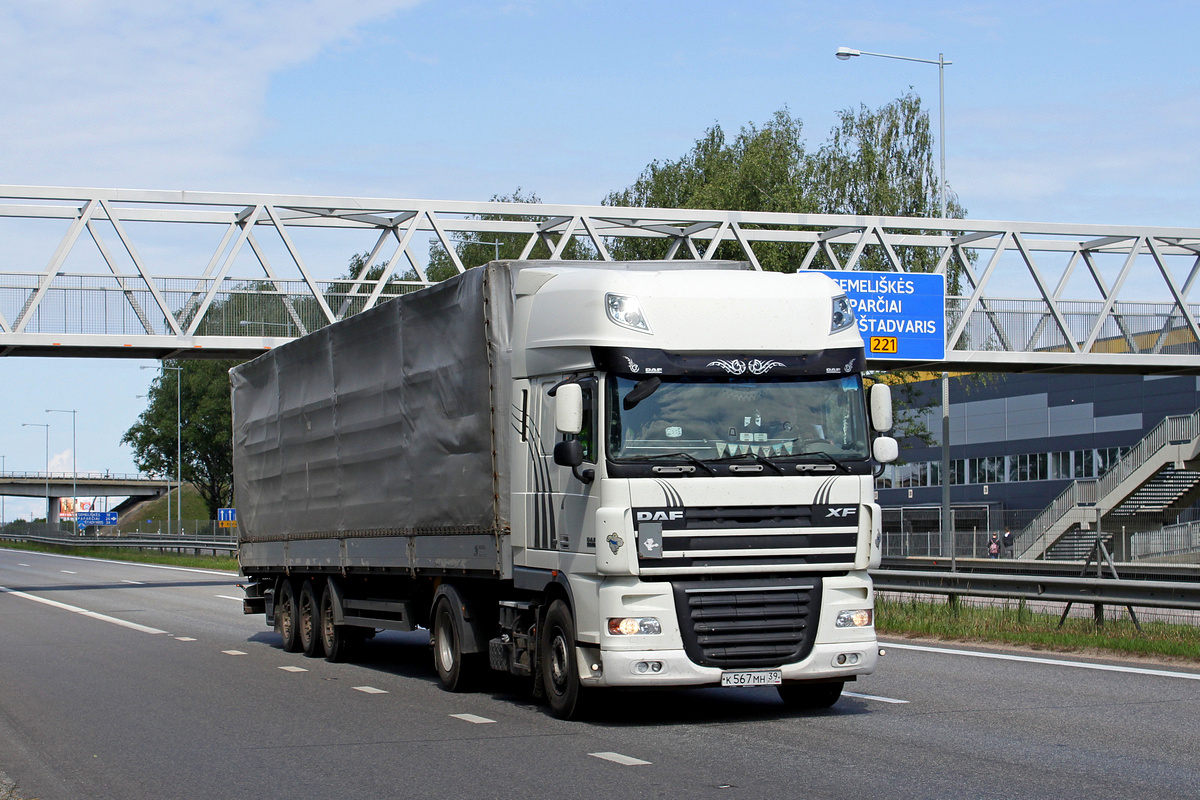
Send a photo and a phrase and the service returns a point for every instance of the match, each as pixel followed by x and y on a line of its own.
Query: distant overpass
pixel 53 485
pixel 171 274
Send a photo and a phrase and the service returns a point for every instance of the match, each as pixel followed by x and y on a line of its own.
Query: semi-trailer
pixel 593 474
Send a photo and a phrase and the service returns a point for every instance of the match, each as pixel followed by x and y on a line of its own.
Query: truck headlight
pixel 626 311
pixel 634 626
pixel 858 618
pixel 843 314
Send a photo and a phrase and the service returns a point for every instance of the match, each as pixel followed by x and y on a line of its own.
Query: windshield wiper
pixel 685 456
pixel 644 389
pixel 827 457
pixel 750 454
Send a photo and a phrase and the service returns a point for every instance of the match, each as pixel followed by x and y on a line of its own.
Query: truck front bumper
pixel 636 667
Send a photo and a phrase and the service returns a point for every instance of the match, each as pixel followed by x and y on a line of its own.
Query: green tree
pixel 205 417
pixel 474 249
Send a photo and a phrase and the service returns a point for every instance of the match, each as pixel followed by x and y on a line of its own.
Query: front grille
pixel 735 539
pixel 737 624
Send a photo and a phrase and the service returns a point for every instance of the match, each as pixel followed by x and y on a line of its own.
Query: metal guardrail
pixel 143 542
pixel 1147 586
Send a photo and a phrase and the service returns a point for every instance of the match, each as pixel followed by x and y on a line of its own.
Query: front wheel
pixel 560 668
pixel 810 696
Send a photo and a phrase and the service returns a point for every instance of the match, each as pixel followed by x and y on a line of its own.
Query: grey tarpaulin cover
pixel 386 423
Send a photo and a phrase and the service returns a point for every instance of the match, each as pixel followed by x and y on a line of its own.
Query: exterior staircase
pixel 1158 474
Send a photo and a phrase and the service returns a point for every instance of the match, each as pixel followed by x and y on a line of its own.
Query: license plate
pixel 770 677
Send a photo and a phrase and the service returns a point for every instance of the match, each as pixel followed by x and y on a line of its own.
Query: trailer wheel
pixel 560 670
pixel 286 623
pixel 452 670
pixel 310 621
pixel 810 696
pixel 336 640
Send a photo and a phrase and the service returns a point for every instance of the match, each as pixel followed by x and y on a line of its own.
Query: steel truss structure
pixel 114 272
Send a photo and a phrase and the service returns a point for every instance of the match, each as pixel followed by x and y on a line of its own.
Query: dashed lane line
pixel 875 697
pixel 81 611
pixel 228 597
pixel 617 758
pixel 1053 662
pixel 233 652
pixel 293 669
pixel 134 583
pixel 184 639
pixel 69 571
pixel 473 718
pixel 369 690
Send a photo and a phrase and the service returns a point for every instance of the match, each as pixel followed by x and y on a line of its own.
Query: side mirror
pixel 568 453
pixel 881 407
pixel 885 450
pixel 568 409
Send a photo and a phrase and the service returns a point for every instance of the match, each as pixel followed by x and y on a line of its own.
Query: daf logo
pixel 659 516
pixel 845 511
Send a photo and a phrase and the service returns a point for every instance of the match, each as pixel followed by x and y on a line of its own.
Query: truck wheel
pixel 285 616
pixel 310 621
pixel 336 640
pixel 453 671
pixel 560 670
pixel 810 696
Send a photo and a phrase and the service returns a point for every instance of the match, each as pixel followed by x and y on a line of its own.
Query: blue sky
pixel 1055 111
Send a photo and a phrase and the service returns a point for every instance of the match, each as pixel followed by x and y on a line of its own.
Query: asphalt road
pixel 209 706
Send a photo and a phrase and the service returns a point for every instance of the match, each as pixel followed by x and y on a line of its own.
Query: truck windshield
pixel 712 418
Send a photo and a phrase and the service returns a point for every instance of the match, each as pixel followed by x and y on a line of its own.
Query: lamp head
pixel 846 53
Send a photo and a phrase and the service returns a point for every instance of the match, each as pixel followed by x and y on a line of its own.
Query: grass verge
pixel 1015 625
pixel 136 556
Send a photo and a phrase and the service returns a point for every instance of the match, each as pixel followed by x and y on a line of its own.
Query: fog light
pixel 858 618
pixel 634 626
pixel 846 659
pixel 647 667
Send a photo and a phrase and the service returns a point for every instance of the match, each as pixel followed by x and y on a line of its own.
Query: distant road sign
pixel 85 518
pixel 227 517
pixel 901 315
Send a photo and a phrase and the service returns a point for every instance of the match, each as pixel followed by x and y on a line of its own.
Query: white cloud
pixel 61 462
pixel 104 91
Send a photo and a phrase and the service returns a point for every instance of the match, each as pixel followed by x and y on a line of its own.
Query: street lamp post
pixel 845 54
pixel 494 244
pixel 3 523
pixel 45 425
pixel 178 448
pixel 74 464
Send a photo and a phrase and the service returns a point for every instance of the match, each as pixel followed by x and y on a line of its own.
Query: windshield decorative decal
pixel 736 366
pixel 642 362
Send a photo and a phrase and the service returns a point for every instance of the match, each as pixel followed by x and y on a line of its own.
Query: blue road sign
pixel 85 518
pixel 226 515
pixel 901 315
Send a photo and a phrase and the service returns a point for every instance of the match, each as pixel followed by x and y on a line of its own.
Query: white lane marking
pixel 472 718
pixel 1054 662
pixel 128 563
pixel 369 690
pixel 184 639
pixel 293 669
pixel 617 758
pixel 69 572
pixel 135 583
pixel 875 697
pixel 22 565
pixel 227 597
pixel 82 611
pixel 233 652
